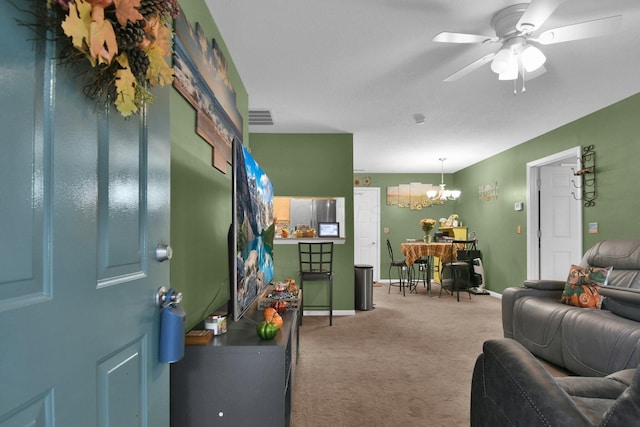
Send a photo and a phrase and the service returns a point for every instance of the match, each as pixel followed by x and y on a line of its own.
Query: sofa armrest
pixel 545 285
pixel 622 301
pixel 630 296
pixel 545 289
pixel 510 387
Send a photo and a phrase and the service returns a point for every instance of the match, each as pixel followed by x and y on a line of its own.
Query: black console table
pixel 237 379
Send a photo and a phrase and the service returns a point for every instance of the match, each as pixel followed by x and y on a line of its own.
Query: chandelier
pixel 442 194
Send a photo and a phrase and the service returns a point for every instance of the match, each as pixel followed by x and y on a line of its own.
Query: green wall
pixel 321 165
pixel 614 132
pixel 403 223
pixel 312 165
pixel 200 196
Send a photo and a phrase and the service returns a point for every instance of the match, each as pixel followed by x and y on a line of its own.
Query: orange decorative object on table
pixel 269 312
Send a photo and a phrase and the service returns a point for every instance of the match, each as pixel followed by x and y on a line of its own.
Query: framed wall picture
pixel 201 77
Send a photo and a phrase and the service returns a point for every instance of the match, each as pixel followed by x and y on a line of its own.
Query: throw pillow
pixel 583 285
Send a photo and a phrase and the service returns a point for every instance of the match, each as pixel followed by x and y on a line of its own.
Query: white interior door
pixel 554 216
pixel 558 209
pixel 366 220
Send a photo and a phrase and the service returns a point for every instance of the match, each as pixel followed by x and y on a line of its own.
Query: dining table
pixel 414 251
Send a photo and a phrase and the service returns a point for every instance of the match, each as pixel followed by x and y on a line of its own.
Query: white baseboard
pixel 494 294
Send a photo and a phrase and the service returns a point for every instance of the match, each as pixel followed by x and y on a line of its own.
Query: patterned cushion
pixel 583 284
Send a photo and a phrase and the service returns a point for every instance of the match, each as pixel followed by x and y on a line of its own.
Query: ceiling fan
pixel 514 28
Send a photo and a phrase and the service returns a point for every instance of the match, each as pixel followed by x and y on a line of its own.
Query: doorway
pixel 554 215
pixel 366 228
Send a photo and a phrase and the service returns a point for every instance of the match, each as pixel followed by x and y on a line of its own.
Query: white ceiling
pixel 366 67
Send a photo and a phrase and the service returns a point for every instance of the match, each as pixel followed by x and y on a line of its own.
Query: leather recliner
pixel 587 342
pixel 511 388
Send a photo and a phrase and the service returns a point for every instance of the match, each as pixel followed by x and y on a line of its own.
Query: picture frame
pixel 202 78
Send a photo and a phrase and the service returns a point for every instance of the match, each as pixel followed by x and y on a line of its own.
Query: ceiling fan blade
pixel 536 14
pixel 469 68
pixel 446 37
pixel 584 30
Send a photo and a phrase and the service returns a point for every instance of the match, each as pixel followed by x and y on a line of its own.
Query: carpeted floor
pixel 408 362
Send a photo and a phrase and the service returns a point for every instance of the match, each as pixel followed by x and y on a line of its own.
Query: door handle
pixel 164 252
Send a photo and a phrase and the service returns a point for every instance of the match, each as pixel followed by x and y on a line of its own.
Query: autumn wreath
pixel 124 41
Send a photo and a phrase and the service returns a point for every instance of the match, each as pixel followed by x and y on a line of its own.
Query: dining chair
pixel 402 269
pixel 316 265
pixel 457 273
pixel 424 273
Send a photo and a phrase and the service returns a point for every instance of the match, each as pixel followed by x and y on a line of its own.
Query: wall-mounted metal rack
pixel 588 177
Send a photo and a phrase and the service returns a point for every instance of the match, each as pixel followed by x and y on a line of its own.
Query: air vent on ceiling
pixel 260 117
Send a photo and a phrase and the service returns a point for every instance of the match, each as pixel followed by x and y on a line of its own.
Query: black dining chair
pixel 457 274
pixel 403 271
pixel 424 273
pixel 316 265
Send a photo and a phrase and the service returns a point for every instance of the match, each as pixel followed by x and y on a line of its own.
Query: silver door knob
pixel 163 252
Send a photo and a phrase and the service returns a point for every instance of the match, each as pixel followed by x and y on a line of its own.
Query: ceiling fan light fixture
pixel 532 58
pixel 509 74
pixel 503 61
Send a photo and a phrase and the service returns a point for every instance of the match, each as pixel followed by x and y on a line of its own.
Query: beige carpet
pixel 408 362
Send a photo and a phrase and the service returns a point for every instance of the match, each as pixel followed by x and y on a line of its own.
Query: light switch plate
pixel 517 206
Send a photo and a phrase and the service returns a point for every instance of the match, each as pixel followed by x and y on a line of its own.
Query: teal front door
pixel 84 200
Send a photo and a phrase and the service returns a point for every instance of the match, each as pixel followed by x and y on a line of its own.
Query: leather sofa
pixel 586 342
pixel 511 388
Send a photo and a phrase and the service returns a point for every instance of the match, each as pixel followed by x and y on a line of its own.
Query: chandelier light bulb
pixel 442 194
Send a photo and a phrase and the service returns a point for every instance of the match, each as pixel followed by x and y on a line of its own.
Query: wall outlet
pixel 517 206
pixel 386 230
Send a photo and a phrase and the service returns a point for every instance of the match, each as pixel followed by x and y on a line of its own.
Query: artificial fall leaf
pixel 103 45
pixel 163 40
pixel 126 11
pixel 125 88
pixel 158 73
pixel 76 24
pixel 103 3
pixel 150 32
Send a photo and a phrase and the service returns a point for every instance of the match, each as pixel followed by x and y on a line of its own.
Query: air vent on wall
pixel 260 117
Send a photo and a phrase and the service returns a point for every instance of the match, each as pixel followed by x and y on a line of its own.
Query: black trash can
pixel 364 287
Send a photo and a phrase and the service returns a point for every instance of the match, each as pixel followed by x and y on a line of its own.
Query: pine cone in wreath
pixel 130 36
pixel 139 62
